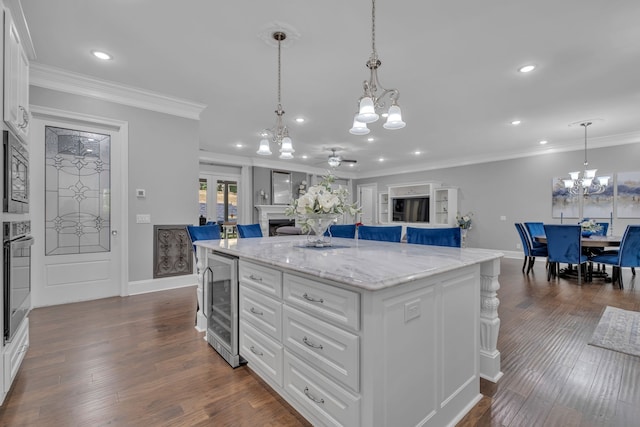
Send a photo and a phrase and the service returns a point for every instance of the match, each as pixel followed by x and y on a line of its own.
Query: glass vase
pixel 318 225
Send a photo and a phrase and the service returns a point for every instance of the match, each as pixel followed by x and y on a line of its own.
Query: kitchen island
pixel 367 333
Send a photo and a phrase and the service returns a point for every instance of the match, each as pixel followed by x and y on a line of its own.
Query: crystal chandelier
pixel 278 134
pixel 588 183
pixel 374 93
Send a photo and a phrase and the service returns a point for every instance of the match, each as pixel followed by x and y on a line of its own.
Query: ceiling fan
pixel 336 160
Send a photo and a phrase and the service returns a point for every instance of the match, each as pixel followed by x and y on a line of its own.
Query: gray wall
pixel 163 160
pixel 519 189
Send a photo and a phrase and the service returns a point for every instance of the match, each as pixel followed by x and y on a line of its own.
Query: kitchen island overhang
pixel 403 290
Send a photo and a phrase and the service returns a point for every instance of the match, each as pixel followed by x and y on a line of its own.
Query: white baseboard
pixel 155 285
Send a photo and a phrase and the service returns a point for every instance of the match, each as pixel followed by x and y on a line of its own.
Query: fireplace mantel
pixel 267 212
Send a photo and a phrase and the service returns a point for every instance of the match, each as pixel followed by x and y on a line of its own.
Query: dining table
pixel 595 242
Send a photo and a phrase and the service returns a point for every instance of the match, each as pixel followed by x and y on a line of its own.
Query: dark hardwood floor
pixel 138 361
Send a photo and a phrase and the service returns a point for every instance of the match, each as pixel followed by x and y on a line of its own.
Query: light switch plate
pixel 143 218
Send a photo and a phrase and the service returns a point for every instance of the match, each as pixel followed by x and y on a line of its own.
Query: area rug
pixel 618 330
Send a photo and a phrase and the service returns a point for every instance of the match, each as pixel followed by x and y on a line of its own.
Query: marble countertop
pixel 365 264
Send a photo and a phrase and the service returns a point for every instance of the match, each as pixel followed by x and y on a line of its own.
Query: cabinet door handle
pixel 312 397
pixel 308 298
pixel 254 311
pixel 253 277
pixel 311 344
pixel 254 351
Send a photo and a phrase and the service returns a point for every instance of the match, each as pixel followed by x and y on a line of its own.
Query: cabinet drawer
pixel 331 349
pixel 335 304
pixel 262 311
pixel 262 278
pixel 327 401
pixel 263 354
pixel 14 353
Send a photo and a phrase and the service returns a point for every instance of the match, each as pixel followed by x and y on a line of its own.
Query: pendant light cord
pixel 585 124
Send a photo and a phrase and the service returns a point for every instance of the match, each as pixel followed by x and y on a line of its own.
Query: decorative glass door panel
pixel 77 192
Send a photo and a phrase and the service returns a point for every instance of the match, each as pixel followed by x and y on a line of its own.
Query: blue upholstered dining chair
pixel 249 230
pixel 564 245
pixel 627 256
pixel 530 253
pixel 342 230
pixel 435 236
pixel 384 233
pixel 535 229
pixel 202 232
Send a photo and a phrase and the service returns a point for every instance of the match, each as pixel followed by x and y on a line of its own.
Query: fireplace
pixel 267 213
pixel 274 224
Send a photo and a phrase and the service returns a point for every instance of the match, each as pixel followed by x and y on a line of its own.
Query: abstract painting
pixel 628 203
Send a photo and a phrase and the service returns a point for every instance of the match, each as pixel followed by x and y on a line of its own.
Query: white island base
pixel 344 349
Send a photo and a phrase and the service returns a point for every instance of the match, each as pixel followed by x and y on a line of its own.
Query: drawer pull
pixel 254 351
pixel 312 397
pixel 254 277
pixel 311 344
pixel 308 298
pixel 254 311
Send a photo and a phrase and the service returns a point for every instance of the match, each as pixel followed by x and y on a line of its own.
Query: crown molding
pixel 79 84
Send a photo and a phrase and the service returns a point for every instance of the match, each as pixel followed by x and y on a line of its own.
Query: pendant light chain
pixel 279 73
pixel 373 28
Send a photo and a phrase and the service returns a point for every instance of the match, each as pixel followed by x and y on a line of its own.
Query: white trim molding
pixel 79 84
pixel 155 285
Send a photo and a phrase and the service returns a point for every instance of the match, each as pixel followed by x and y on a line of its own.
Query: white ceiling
pixel 454 62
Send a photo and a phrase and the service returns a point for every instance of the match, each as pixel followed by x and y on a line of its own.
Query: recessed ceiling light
pixel 381 159
pixel 417 152
pixel 516 122
pixel 300 119
pixel 304 156
pixel 544 141
pixel 370 139
pixel 101 55
pixel 239 145
pixel 351 165
pixel 527 68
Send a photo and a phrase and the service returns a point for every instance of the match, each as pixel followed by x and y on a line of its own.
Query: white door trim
pixel 374 189
pixel 122 127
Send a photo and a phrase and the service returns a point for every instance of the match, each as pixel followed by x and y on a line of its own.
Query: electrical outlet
pixel 518 246
pixel 503 218
pixel 411 310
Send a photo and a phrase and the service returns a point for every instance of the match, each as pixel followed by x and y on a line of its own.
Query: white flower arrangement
pixel 322 199
pixel 590 225
pixel 464 221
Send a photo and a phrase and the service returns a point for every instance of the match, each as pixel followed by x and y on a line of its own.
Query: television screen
pixel 410 209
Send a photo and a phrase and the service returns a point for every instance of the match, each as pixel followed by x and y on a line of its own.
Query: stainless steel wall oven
pixel 17 242
pixel 15 196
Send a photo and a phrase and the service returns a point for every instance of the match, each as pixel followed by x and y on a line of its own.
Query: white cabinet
pixel 14 353
pixel 16 80
pixel 383 208
pixel 445 206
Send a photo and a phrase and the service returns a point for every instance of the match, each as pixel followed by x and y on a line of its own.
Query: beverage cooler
pixel 221 306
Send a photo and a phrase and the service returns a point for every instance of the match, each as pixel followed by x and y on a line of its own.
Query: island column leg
pixel 489 321
pixel 201 320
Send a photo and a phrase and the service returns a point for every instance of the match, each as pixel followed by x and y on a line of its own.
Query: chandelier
pixel 374 93
pixel 588 183
pixel 279 134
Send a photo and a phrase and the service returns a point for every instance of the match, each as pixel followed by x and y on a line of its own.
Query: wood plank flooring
pixel 138 361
